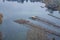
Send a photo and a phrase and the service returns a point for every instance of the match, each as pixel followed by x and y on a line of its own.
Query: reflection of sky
pixel 14 10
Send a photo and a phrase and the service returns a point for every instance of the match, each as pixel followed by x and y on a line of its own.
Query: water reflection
pixel 13 10
pixel 22 1
pixel 51 5
pixel 3 0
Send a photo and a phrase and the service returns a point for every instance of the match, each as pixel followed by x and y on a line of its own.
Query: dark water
pixel 13 10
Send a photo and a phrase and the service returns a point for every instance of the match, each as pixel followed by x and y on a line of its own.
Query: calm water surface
pixel 13 10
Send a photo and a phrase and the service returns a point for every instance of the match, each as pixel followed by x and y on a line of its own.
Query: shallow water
pixel 13 10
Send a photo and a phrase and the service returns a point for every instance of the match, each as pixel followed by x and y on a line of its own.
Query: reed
pixel 36 34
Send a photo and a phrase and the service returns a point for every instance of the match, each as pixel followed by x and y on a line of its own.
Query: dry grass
pixel 38 27
pixel 36 34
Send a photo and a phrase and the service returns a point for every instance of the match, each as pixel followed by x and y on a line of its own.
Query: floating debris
pixel 39 19
pixel 53 16
pixel 1 16
pixel 38 27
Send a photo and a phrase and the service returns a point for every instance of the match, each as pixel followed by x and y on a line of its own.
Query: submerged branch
pixel 38 27
pixel 53 16
pixel 39 19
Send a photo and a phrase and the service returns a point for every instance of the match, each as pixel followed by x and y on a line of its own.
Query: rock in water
pixel 21 21
pixel 1 16
pixel 33 17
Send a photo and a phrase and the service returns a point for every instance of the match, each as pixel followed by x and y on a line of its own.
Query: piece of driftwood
pixel 39 19
pixel 1 16
pixel 38 27
pixel 53 16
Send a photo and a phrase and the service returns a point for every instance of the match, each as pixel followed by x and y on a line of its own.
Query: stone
pixel 21 21
pixel 33 17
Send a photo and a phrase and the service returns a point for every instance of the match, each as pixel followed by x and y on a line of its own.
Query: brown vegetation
pixel 40 27
pixel 1 16
pixel 36 34
pixel 21 21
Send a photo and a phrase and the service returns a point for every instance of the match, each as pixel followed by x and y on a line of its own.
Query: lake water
pixel 13 10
